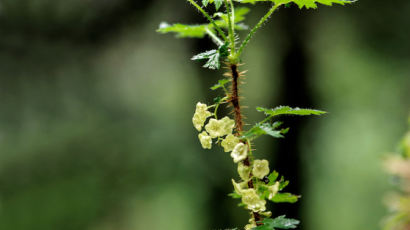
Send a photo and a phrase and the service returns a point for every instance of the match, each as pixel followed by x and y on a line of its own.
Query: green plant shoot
pixel 257 184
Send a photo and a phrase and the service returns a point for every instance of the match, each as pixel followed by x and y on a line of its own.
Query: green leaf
pixel 281 110
pixel 218 4
pixel 240 14
pixel 313 3
pixel 213 57
pixel 223 50
pixel 204 55
pixel 263 191
pixel 272 177
pixel 205 2
pixel 301 3
pixel 283 184
pixel 217 99
pixel 234 195
pixel 262 129
pixel 184 31
pixel 221 83
pixel 280 222
pixel 284 131
pixel 285 198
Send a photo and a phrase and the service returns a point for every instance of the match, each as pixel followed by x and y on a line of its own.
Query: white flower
pixel 240 152
pixel 214 128
pixel 273 190
pixel 198 121
pixel 201 108
pixel 229 142
pixel 260 168
pixel 244 171
pixel 228 125
pixel 200 116
pixel 219 128
pixel 205 139
pixel 238 187
pixel 267 214
pixel 253 201
pixel 250 226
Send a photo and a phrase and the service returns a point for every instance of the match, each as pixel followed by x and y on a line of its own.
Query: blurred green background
pixel 96 107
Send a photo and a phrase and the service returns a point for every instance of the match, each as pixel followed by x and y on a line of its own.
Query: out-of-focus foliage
pixel 399 202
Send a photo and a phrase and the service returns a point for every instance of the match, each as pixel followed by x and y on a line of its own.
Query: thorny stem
pixel 239 125
pixel 235 98
pixel 209 19
pixel 254 29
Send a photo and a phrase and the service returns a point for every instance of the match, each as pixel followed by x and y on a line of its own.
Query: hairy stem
pixel 239 125
pixel 209 19
pixel 254 29
pixel 230 11
pixel 235 98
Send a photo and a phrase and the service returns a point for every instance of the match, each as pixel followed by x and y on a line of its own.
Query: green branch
pixel 230 11
pixel 209 19
pixel 214 37
pixel 259 25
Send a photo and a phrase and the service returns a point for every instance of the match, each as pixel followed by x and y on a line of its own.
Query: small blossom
pixel 253 201
pixel 201 107
pixel 250 226
pixel 244 171
pixel 214 128
pixel 273 190
pixel 260 168
pixel 267 214
pixel 198 121
pixel 238 187
pixel 200 116
pixel 202 110
pixel 205 139
pixel 228 125
pixel 229 142
pixel 240 152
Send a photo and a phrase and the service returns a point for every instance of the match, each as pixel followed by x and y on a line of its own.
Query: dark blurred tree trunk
pixel 295 93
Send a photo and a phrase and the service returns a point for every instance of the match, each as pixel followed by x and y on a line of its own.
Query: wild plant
pixel 257 184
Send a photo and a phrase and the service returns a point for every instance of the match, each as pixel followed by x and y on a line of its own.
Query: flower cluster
pixel 253 197
pixel 253 188
pixel 217 129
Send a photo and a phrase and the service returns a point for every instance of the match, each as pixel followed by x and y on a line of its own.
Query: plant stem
pixel 209 19
pixel 214 37
pixel 235 98
pixel 231 11
pixel 239 127
pixel 254 29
